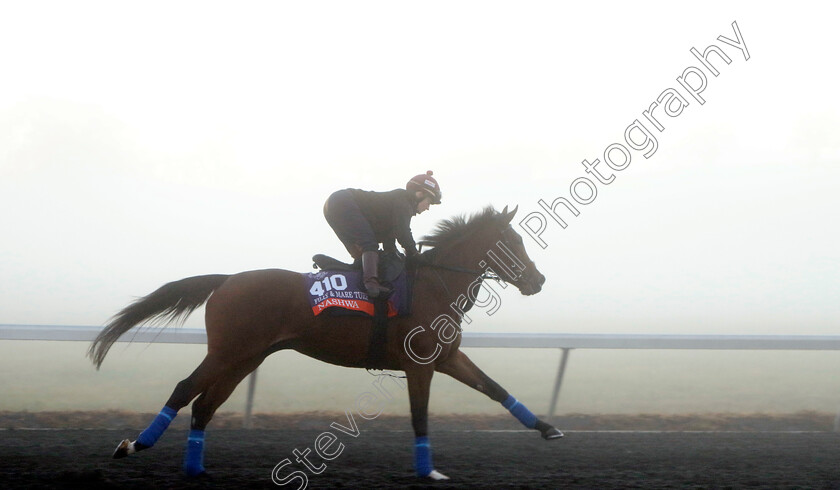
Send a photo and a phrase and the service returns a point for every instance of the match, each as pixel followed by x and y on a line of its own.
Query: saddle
pixel 327 263
pixel 391 265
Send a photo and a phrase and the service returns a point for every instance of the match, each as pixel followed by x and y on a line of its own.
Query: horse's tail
pixel 171 302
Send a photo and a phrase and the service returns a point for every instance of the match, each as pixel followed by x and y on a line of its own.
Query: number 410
pixel 337 282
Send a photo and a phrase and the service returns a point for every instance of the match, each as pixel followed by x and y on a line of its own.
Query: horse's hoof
pixel 436 475
pixel 552 433
pixel 124 448
pixel 196 472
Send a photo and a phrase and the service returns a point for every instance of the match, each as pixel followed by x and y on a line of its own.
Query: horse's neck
pixel 466 255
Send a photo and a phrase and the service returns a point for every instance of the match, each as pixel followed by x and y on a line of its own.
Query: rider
pixel 364 219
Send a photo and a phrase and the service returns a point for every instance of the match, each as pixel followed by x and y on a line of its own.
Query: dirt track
pixel 382 458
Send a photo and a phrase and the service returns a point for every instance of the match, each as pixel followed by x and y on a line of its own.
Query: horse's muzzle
pixel 532 284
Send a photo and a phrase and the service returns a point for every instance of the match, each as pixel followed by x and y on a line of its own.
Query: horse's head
pixel 509 258
pixel 488 240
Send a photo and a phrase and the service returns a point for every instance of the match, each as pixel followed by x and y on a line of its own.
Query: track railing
pixel 565 342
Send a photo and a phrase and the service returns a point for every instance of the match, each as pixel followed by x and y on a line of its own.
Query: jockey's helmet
pixel 427 184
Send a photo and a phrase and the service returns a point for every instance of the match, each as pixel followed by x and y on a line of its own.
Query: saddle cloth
pixel 340 290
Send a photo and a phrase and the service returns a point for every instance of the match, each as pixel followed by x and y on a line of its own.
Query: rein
pixel 483 274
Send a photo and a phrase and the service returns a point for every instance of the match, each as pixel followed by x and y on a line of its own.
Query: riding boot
pixel 370 264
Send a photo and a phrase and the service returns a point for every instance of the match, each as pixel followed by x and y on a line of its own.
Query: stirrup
pixel 377 290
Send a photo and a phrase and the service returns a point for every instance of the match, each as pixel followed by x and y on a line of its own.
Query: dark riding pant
pixel 347 221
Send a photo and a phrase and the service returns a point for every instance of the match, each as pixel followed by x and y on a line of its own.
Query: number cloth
pixel 342 293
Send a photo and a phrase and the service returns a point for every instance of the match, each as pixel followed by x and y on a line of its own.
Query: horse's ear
pixel 508 216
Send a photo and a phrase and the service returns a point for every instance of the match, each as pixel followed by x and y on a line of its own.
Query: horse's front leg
pixel 460 367
pixel 419 381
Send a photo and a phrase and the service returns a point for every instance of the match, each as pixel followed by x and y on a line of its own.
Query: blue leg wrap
pixel 520 411
pixel 152 433
pixel 423 456
pixel 194 459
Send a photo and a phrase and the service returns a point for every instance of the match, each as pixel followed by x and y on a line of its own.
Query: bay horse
pixel 253 314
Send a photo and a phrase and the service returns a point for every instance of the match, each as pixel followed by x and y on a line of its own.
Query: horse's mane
pixel 450 230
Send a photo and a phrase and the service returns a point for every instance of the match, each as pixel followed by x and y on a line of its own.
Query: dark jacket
pixel 389 214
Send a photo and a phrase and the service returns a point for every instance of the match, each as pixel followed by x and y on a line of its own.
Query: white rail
pixel 566 342
pixel 176 335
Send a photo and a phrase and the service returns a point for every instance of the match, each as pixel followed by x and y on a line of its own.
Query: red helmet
pixel 425 183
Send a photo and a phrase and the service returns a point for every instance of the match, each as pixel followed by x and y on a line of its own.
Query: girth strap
pixel 378 335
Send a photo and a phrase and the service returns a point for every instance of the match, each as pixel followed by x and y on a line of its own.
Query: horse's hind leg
pixel 184 392
pixel 460 367
pixel 206 405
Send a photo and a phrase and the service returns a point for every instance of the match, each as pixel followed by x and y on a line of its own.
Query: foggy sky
pixel 142 143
